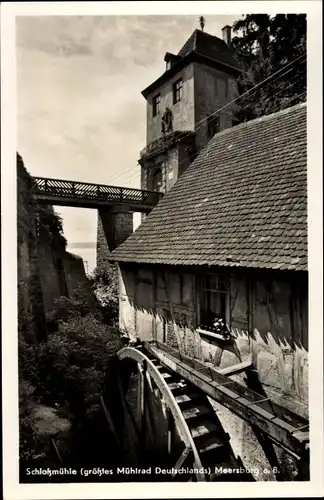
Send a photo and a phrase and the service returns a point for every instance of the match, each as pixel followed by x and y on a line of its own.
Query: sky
pixel 81 115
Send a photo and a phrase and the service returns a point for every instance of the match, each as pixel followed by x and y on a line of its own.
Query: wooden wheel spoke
pixel 127 409
pixel 182 459
pixel 147 373
pixel 170 430
pixel 109 420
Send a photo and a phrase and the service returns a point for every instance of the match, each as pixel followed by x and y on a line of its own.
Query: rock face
pixel 46 270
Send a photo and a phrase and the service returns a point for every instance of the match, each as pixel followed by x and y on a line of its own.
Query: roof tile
pixel 255 206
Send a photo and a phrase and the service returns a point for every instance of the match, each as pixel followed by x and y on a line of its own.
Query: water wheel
pixel 169 426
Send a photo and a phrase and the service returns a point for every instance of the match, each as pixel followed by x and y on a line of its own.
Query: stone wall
pixel 213 90
pixel 267 315
pixel 30 299
pixel 168 165
pixel 45 270
pixel 113 227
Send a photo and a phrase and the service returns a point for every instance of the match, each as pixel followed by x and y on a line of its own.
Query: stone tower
pixel 197 82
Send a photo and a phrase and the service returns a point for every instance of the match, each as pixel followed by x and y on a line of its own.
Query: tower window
pixel 157 180
pixel 177 91
pixel 156 104
pixel 213 125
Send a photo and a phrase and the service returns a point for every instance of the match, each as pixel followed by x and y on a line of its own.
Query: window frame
pixel 177 90
pixel 201 290
pixel 157 171
pixel 156 105
pixel 213 125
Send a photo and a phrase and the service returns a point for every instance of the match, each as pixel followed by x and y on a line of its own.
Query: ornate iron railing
pixel 93 192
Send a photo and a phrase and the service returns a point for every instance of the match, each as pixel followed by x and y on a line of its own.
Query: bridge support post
pixel 115 225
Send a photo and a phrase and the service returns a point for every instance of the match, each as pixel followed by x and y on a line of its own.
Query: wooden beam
pixel 109 421
pixel 303 468
pixel 148 413
pixel 229 394
pixel 126 407
pixel 57 451
pixel 235 369
pixel 199 365
pixel 170 431
pixel 141 398
pixel 182 459
pixel 253 382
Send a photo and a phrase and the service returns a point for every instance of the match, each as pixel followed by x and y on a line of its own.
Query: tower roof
pixel 201 47
pixel 210 46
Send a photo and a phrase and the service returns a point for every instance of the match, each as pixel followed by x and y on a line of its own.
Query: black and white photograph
pixel 164 265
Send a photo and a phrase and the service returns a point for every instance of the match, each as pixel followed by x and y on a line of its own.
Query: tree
pixel 265 45
pixel 106 290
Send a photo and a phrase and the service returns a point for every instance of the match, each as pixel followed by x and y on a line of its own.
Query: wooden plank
pixel 303 468
pixel 168 296
pixel 57 451
pixel 254 415
pixel 199 365
pixel 170 431
pixel 109 420
pixel 126 407
pixel 235 369
pixel 149 420
pixel 182 459
pixel 302 436
pixel 141 399
pixel 253 382
pixel 252 395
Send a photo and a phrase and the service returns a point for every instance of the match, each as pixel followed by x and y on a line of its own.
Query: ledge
pixel 165 142
pixel 214 336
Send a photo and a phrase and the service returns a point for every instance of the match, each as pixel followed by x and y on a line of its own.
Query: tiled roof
pixel 210 46
pixel 242 202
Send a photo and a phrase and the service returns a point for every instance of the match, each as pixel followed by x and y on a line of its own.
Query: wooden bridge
pixel 87 195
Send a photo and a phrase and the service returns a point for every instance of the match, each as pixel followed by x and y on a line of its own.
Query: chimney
pixel 227 32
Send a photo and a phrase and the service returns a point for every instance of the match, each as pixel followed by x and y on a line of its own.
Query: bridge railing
pixel 95 192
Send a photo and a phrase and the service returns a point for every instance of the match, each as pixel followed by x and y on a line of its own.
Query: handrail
pixel 93 191
pixel 91 184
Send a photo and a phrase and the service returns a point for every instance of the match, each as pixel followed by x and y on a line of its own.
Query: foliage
pixel 265 44
pixel 105 287
pixel 27 433
pixel 67 372
pixel 69 368
pixel 49 226
pixel 80 303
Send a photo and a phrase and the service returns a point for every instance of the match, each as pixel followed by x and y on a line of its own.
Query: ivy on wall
pixel 49 226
